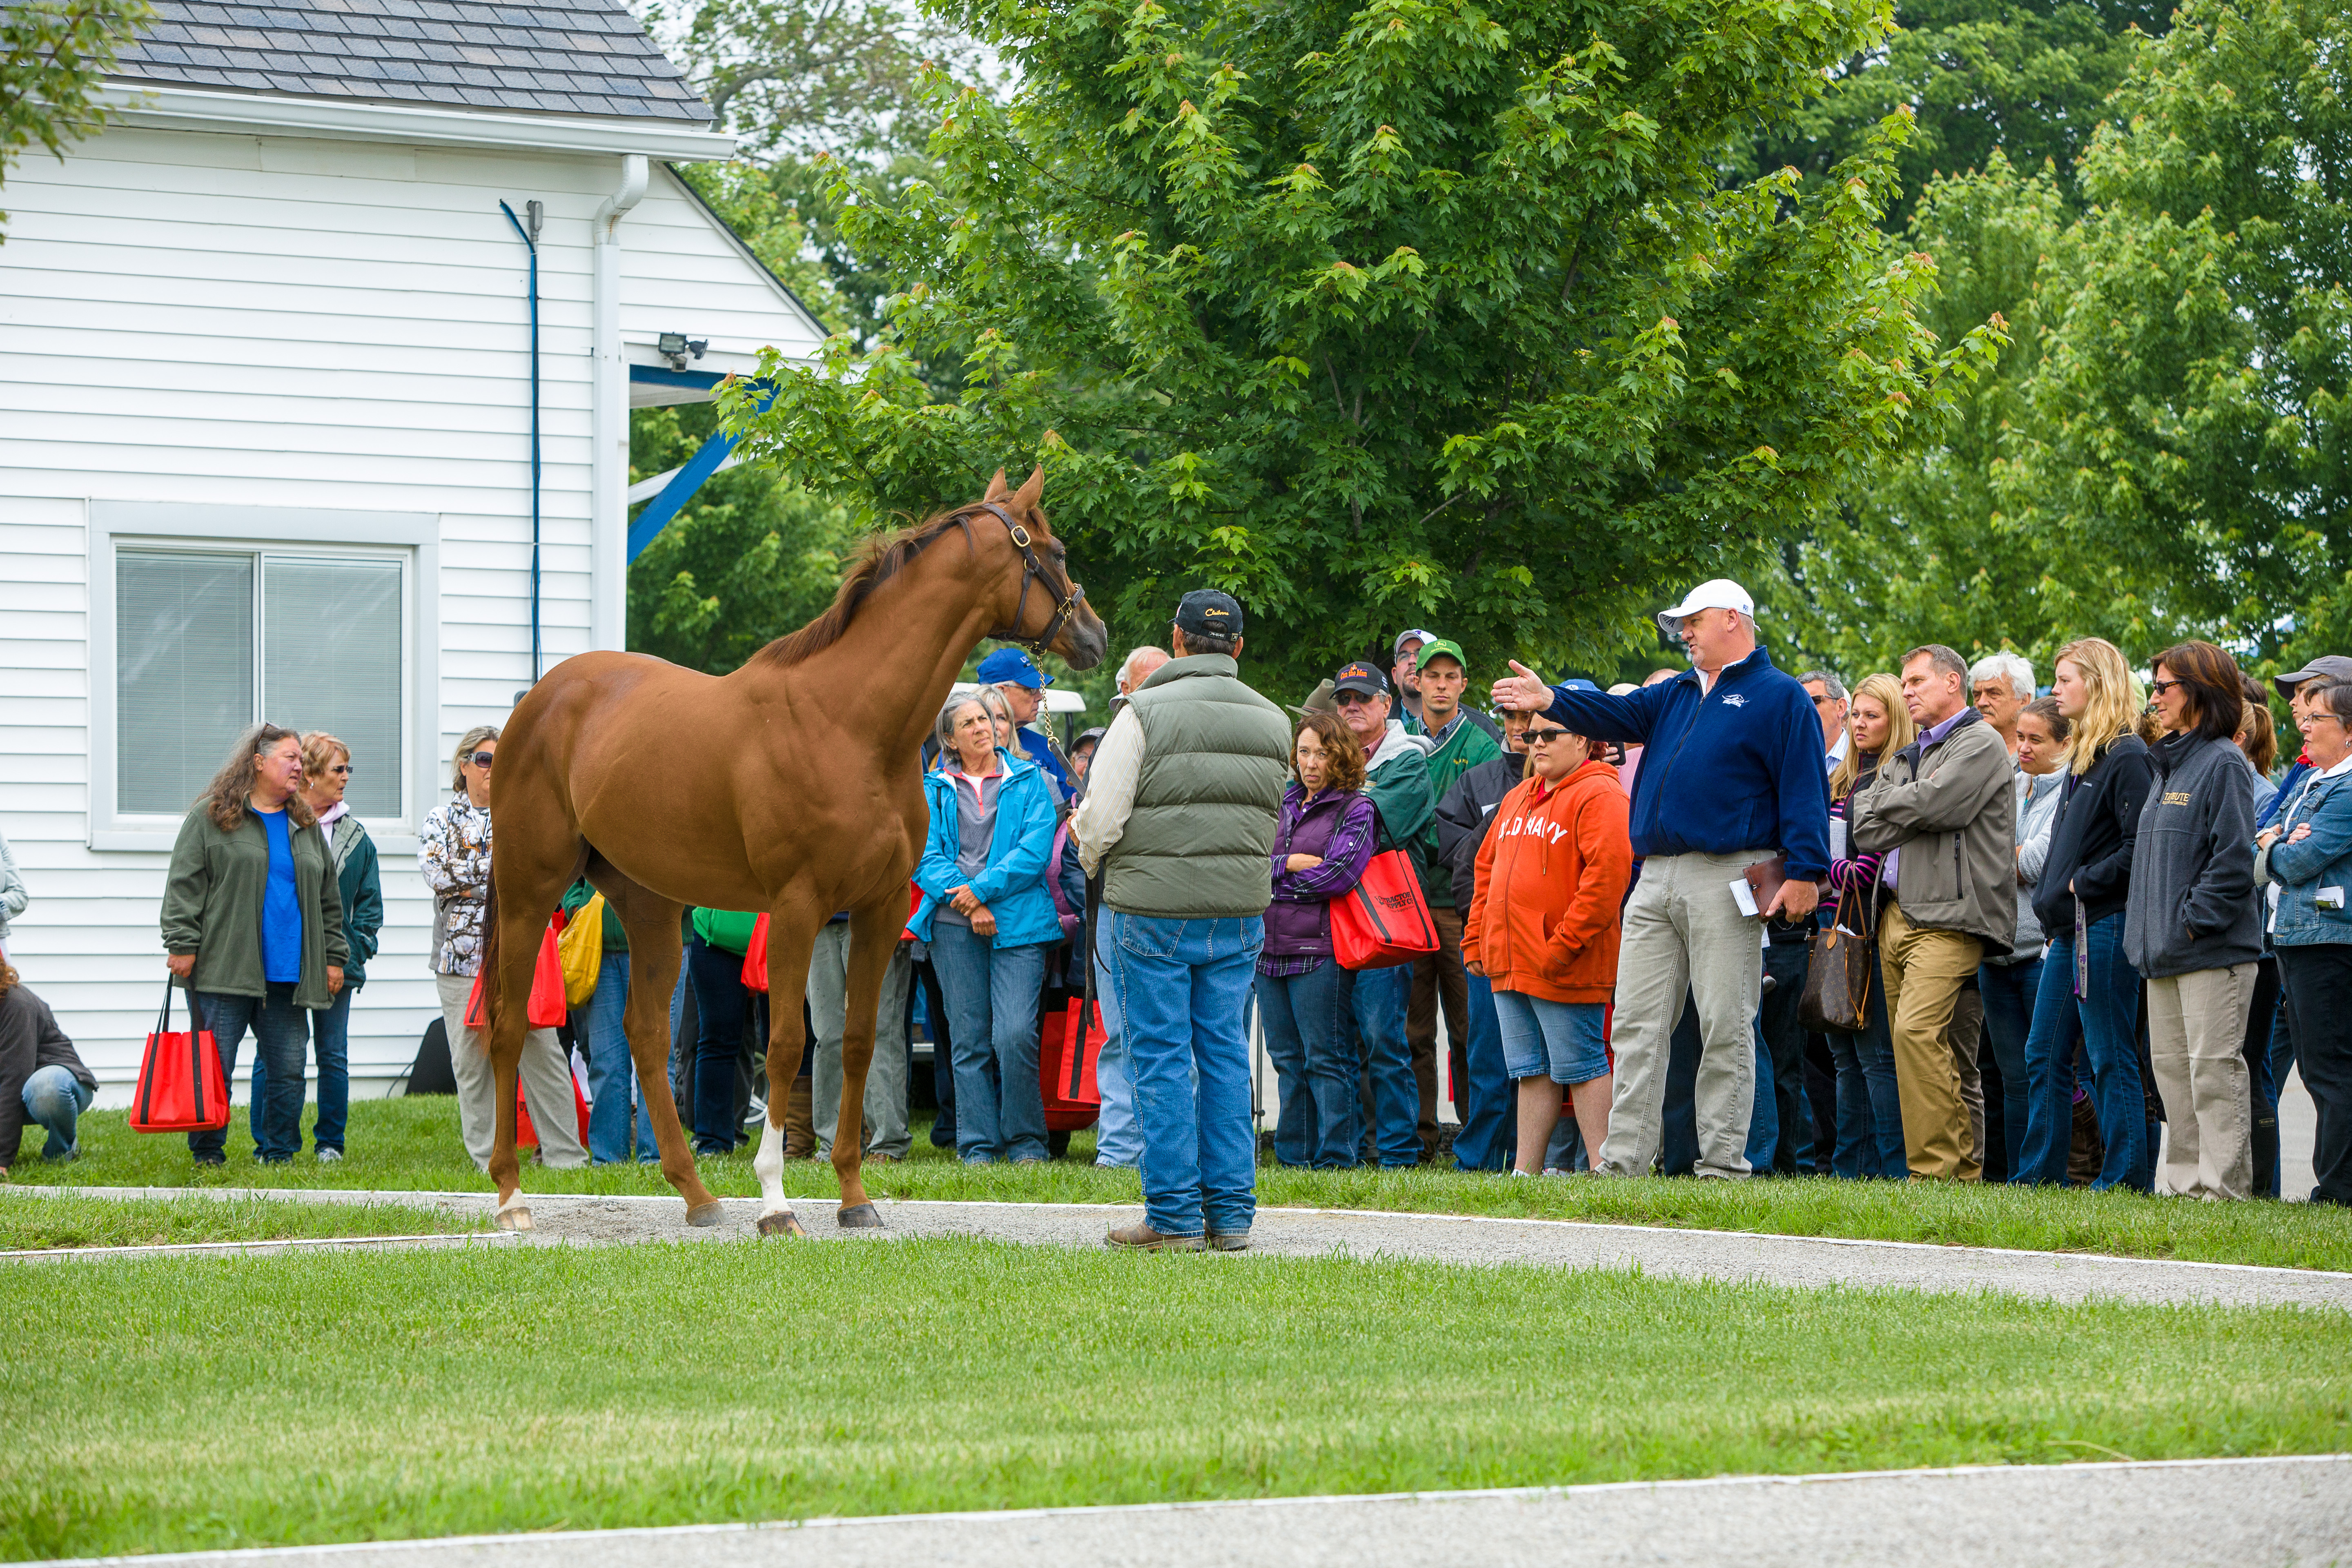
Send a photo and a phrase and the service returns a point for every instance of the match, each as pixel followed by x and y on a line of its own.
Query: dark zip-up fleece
pixel 2091 842
pixel 1467 812
pixel 2192 880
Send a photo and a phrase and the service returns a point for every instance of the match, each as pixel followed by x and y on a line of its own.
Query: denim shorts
pixel 1558 1040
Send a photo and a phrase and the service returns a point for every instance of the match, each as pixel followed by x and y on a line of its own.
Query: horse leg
pixel 652 923
pixel 792 939
pixel 520 922
pixel 873 937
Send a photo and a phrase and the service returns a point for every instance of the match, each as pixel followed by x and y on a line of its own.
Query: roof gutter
pixel 270 114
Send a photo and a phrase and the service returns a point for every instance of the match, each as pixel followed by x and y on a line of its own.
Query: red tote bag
pixel 1066 1057
pixel 546 1009
pixel 1382 920
pixel 755 958
pixel 181 1086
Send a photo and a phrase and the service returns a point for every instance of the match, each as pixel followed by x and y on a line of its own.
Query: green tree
pixel 2188 420
pixel 54 57
pixel 1427 310
pixel 744 561
pixel 2025 78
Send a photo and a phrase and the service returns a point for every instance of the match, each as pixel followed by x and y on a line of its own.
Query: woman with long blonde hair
pixel 1869 1135
pixel 2087 983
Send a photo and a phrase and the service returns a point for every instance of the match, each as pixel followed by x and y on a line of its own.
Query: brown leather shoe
pixel 1229 1240
pixel 1143 1239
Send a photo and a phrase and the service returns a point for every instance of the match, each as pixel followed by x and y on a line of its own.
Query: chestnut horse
pixel 791 786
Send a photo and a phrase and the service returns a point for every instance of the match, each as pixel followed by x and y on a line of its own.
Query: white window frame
pixel 412 538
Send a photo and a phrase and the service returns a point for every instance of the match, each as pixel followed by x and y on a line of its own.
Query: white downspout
pixel 608 467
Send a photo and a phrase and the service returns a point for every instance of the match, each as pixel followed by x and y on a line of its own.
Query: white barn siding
pixel 271 322
pixel 680 273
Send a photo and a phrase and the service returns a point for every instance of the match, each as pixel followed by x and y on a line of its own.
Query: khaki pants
pixel 2196 1024
pixel 1923 971
pixel 1683 932
pixel 546 1085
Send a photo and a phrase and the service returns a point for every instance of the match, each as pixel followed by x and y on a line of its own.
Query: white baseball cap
pixel 1716 594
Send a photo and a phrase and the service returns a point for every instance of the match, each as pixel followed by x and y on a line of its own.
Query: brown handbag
pixel 1837 972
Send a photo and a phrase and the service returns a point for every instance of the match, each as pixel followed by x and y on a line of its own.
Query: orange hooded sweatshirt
pixel 1553 875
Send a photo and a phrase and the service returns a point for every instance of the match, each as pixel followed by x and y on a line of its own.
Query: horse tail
pixel 490 953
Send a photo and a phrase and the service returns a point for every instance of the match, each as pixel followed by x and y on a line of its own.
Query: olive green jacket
pixel 1199 842
pixel 211 906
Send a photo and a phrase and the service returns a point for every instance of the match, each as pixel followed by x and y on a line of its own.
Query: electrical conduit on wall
pixel 529 238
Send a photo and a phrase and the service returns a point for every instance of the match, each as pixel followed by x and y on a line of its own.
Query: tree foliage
pixel 2028 79
pixel 54 57
pixel 1421 311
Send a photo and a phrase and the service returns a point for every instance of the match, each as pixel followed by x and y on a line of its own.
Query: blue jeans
pixel 991 996
pixel 54 1100
pixel 1181 987
pixel 1378 1008
pixel 2108 1017
pixel 1879 1098
pixel 2010 992
pixel 1314 1065
pixel 1764 1120
pixel 1117 1140
pixel 612 1074
pixel 1678 1113
pixel 1490 1120
pixel 330 1036
pixel 280 1031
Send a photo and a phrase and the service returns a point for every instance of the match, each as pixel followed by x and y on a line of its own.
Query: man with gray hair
pixel 1942 812
pixel 2001 685
pixel 1829 695
pixel 1138 667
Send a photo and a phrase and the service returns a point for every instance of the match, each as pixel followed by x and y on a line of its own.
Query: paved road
pixel 1801 1261
pixel 2259 1513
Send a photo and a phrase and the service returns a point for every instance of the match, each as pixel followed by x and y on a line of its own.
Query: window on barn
pixel 210 642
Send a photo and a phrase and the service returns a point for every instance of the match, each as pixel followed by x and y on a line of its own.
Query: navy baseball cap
pixel 1012 667
pixel 1207 610
pixel 1359 677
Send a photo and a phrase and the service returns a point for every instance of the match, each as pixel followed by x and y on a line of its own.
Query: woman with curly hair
pixel 254 924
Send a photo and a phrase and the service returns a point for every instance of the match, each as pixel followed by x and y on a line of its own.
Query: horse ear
pixel 1032 489
pixel 996 487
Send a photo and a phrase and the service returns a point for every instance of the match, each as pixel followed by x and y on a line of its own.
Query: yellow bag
pixel 582 948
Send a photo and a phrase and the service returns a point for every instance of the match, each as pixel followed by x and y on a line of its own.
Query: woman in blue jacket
pixel 988 918
pixel 2307 856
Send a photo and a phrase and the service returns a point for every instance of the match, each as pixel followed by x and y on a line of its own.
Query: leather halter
pixel 1033 570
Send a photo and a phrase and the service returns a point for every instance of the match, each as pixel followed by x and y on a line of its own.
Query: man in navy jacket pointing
pixel 1732 775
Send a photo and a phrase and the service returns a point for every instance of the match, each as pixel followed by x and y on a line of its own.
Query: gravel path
pixel 1800 1261
pixel 2230 1513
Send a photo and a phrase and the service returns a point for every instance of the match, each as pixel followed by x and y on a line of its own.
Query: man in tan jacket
pixel 1942 811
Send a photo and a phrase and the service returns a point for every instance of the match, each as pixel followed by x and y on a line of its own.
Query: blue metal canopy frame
pixel 700 467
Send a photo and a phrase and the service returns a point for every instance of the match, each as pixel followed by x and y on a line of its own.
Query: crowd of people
pixel 2085 932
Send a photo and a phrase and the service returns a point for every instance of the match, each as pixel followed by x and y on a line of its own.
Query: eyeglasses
pixel 481 759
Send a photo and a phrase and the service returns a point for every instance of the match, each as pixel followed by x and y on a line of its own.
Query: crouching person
pixel 42 1079
pixel 1543 930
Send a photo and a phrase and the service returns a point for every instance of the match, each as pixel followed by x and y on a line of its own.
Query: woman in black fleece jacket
pixel 2087 983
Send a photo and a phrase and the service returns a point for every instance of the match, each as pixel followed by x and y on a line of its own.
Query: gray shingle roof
pixel 553 56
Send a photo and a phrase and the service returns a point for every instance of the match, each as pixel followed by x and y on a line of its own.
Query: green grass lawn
pixel 33 1220
pixel 411 1144
pixel 180 1405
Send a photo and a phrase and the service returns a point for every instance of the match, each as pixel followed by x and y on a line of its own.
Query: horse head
pixel 1045 607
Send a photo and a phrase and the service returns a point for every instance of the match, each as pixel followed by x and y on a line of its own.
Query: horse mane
pixel 877 560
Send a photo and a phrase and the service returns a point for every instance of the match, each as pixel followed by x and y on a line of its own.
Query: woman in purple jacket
pixel 1320 849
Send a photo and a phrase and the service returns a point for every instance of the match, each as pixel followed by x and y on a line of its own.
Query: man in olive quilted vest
pixel 1179 811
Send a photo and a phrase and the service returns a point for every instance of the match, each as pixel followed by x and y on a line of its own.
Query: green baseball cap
pixel 1447 646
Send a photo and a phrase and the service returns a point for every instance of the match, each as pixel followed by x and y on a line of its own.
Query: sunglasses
pixel 1353 699
pixel 2158 687
pixel 342 768
pixel 481 759
pixel 1544 737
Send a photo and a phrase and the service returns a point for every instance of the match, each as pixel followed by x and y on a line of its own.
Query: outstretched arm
pixel 1590 713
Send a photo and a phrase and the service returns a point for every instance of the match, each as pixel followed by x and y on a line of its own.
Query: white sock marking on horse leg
pixel 768 1165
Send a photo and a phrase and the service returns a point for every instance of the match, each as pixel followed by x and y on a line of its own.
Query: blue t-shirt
pixel 281 912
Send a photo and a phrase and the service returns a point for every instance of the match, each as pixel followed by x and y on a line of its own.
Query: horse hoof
pixel 702 1216
pixel 860 1216
pixel 784 1222
pixel 515 1218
